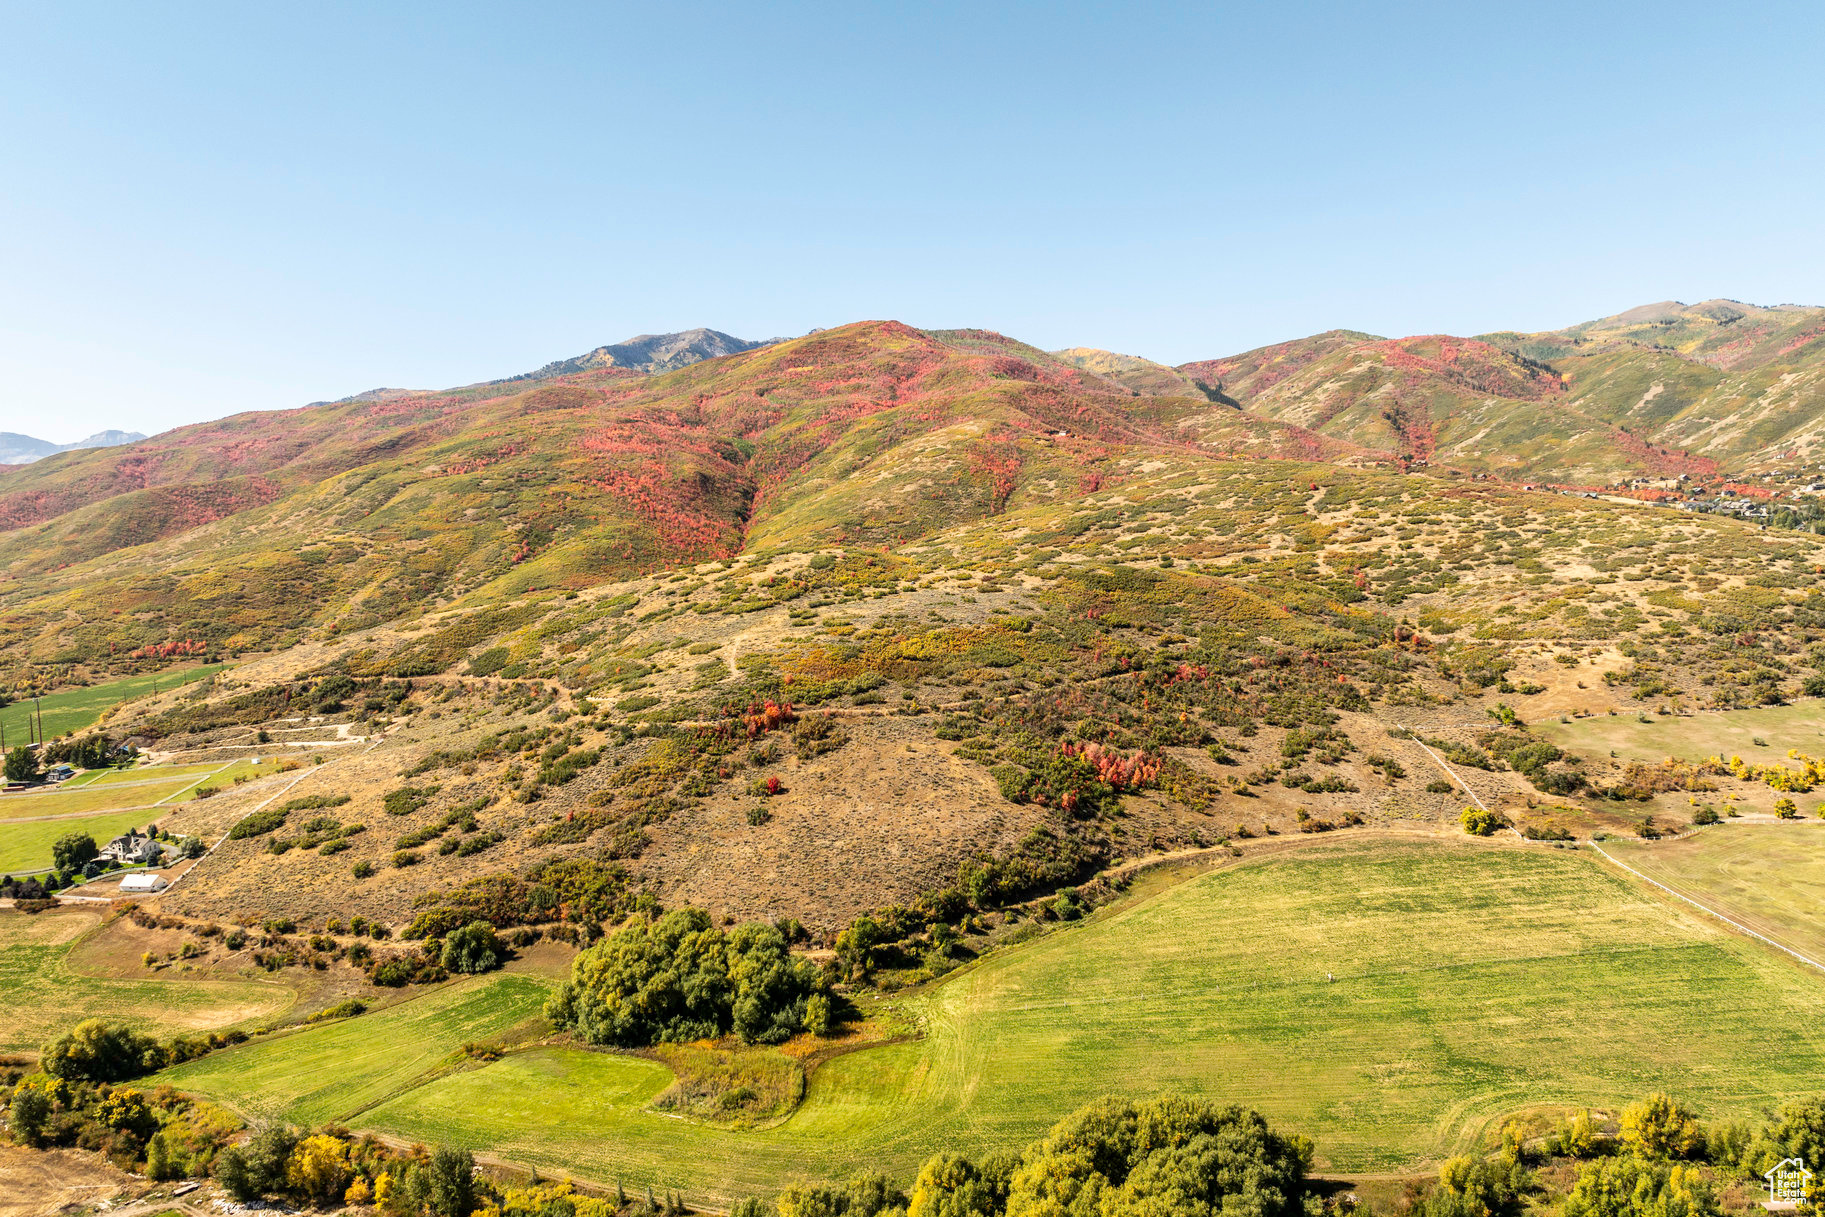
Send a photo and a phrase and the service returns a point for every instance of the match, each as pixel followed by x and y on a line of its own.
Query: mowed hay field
pixel 1769 877
pixel 42 995
pixel 1694 737
pixel 1470 980
pixel 74 709
pixel 147 790
pixel 338 1070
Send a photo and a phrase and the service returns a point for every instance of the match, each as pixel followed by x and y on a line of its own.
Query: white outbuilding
pixel 143 881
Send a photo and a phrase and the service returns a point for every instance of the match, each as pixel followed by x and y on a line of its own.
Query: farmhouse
pixel 131 848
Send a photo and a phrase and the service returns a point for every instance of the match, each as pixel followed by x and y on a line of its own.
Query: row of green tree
pixel 1178 1156
pixel 1185 1156
pixel 96 751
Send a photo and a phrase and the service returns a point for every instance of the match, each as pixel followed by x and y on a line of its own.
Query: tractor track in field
pixel 1708 910
pixel 1615 861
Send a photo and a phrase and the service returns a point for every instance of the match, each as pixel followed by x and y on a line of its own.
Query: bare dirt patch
pixel 883 818
pixel 51 1182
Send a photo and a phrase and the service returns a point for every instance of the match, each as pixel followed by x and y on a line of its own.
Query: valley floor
pixel 1390 996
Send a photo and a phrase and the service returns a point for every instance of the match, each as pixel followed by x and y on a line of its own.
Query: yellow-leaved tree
pixel 319 1167
pixel 1658 1127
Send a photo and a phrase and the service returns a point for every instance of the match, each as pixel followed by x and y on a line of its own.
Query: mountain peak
pixel 652 353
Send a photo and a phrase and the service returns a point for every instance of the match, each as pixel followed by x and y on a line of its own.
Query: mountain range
pixel 16 449
pixel 671 449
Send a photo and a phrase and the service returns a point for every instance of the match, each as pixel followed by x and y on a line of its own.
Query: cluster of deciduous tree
pixel 578 890
pixel 1185 1156
pixel 330 1168
pixel 1657 1160
pixel 163 1134
pixel 1112 1158
pixel 681 978
pixel 93 751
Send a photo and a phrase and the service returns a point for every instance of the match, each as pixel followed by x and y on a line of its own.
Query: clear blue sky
pixel 210 208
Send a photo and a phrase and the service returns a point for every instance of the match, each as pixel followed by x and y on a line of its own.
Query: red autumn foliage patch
pixel 1122 772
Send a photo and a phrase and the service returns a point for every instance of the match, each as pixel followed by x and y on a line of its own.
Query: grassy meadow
pixel 338 1070
pixel 73 709
pixel 1465 982
pixel 148 789
pixel 43 995
pixel 1770 877
pixel 1800 725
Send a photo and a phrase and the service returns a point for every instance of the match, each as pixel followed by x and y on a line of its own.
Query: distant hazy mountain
pixel 647 353
pixel 652 353
pixel 16 449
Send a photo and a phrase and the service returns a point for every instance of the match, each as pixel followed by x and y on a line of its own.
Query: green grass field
pixel 338 1070
pixel 1708 733
pixel 41 995
pixel 1770 877
pixel 74 709
pixel 26 847
pixel 149 789
pixel 1469 981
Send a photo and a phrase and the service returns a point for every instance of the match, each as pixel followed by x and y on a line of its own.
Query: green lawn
pixel 26 847
pixel 1769 877
pixel 41 995
pixel 1469 981
pixel 339 1069
pixel 74 709
pixel 1707 733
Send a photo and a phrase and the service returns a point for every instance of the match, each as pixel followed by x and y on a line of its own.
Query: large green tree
pixel 473 948
pixel 99 1051
pixel 21 765
pixel 73 851
pixel 29 1115
pixel 450 1183
pixel 680 978
pixel 257 1167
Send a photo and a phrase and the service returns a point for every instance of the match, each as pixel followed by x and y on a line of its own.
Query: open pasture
pixel 1769 877
pixel 338 1070
pixel 145 791
pixel 73 709
pixel 43 995
pixel 1800 725
pixel 145 773
pixel 1392 998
